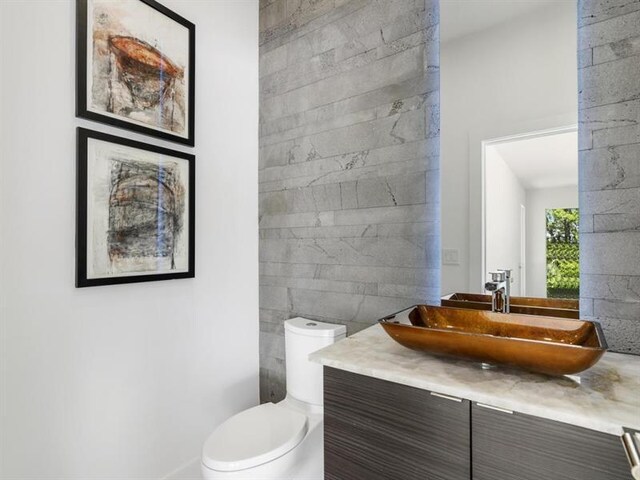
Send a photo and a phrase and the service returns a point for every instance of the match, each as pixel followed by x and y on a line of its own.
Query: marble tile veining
pixel 348 165
pixel 604 398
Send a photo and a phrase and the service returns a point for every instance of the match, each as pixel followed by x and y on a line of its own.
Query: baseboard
pixel 189 471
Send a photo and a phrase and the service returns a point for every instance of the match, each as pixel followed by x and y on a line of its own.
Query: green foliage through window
pixel 563 253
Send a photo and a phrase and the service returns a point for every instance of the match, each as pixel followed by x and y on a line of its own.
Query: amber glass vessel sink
pixel 553 346
pixel 548 307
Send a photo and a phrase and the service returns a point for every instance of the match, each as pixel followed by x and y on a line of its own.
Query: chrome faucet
pixel 500 288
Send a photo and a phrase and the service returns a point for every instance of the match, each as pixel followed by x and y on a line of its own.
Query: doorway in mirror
pixel 530 200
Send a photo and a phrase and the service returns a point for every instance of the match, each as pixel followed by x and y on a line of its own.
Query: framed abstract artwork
pixel 135 67
pixel 135 211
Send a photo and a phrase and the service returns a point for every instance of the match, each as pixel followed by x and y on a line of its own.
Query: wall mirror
pixel 509 148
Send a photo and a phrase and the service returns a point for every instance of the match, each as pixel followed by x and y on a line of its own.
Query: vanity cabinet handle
pixel 497 409
pixel 446 397
pixel 630 441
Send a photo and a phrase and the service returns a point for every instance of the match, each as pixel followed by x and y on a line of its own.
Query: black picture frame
pixel 84 136
pixel 82 93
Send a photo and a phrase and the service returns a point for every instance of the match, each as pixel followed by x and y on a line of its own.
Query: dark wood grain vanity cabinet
pixel 380 430
pixel 514 446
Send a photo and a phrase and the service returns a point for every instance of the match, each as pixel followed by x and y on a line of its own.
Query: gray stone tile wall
pixel 609 131
pixel 349 165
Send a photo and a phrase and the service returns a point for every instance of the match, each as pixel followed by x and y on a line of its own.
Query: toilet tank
pixel 302 337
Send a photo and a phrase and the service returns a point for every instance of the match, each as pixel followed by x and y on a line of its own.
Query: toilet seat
pixel 254 437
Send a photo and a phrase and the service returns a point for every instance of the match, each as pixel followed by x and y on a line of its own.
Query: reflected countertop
pixel 604 398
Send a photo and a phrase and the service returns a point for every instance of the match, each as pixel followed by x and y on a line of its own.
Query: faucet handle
pixel 499 276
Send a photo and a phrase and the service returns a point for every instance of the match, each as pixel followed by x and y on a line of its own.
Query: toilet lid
pixel 253 437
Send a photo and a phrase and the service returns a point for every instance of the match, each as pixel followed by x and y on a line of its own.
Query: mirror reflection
pixel 509 151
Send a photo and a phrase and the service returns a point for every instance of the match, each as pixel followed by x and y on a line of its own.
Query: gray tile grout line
pixel 420 76
pixel 605 20
pixel 342 170
pixel 304 34
pixel 425 42
pixel 593 65
pixel 359 94
pixel 623 101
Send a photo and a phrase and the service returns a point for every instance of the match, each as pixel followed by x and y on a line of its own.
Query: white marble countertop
pixel 604 398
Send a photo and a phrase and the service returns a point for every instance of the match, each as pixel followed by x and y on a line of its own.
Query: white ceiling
pixel 459 18
pixel 543 162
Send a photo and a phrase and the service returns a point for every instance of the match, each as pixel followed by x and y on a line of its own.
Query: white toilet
pixel 281 441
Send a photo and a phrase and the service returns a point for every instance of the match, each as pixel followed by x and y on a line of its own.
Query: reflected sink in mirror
pixel 547 307
pixel 548 345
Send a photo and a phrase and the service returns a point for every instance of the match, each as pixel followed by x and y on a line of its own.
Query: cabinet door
pixel 521 447
pixel 378 430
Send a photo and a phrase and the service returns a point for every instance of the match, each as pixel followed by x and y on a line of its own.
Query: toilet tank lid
pixel 313 328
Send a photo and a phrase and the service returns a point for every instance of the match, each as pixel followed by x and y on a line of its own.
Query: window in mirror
pixel 563 253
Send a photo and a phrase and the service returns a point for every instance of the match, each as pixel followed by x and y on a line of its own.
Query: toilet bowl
pixel 278 441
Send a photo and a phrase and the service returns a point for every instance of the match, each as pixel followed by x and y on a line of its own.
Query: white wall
pixel 501 78
pixel 504 197
pixel 539 200
pixel 123 381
